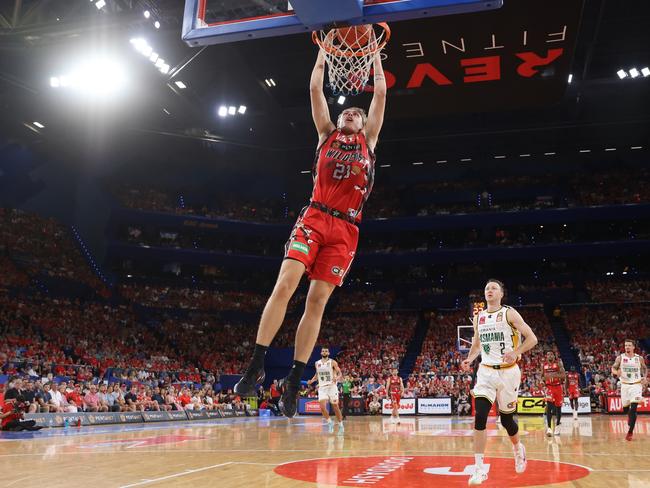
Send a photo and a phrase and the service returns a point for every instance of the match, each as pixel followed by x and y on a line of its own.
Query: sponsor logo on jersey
pixel 481 320
pixel 300 246
pixel 499 316
pixel 337 271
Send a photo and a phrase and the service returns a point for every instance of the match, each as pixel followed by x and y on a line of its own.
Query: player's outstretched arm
pixel 319 110
pixel 644 372
pixel 377 106
pixel 616 367
pixel 530 339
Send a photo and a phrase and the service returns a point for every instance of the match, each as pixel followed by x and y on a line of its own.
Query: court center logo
pixel 424 471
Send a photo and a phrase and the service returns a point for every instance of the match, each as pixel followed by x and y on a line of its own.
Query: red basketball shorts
pixel 325 244
pixel 574 392
pixel 395 398
pixel 555 394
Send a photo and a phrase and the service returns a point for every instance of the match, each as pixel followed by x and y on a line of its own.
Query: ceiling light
pixel 232 110
pixel 305 172
pixel 549 154
pixel 147 14
pixel 100 5
pixel 527 155
pixel 159 63
pixel 166 111
pixel 585 150
pixel 464 160
pixel 180 85
pixel 154 57
pixel 147 51
pixel 384 165
pixel 634 73
pixel 242 109
pixel 164 69
pixel 636 147
pixel 570 78
pixel 55 82
pixel 341 100
pixel 156 24
pixel 419 163
pixel 223 111
pixel 441 161
pixel 646 71
pixel 272 82
pixel 609 149
pixel 268 83
pixel 621 73
pixel 499 157
pixel 39 125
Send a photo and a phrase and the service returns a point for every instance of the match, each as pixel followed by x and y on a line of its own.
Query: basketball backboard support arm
pixel 284 17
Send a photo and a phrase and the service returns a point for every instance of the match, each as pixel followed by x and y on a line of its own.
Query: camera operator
pixel 12 413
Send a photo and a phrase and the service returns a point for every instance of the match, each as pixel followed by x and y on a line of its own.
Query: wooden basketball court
pixel 423 451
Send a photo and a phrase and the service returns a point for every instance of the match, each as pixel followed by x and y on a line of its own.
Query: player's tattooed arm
pixel 616 367
pixel 337 371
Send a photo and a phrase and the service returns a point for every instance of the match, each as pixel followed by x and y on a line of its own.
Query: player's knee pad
pixel 482 406
pixel 508 422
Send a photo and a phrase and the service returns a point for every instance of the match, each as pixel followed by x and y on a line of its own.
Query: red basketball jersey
pixel 573 379
pixel 343 173
pixel 394 385
pixel 551 368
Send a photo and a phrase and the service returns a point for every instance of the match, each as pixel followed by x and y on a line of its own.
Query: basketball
pixel 355 37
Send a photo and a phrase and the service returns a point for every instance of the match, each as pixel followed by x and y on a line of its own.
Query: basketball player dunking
pixel 497 334
pixel 554 375
pixel 328 373
pixel 632 371
pixel 324 239
pixel 395 388
pixel 573 388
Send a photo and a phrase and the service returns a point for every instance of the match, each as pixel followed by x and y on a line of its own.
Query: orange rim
pixel 361 52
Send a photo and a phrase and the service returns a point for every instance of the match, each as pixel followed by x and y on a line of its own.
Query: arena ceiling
pixel 40 39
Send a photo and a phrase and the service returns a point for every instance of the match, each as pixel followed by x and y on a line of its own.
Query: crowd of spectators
pixel 43 247
pixel 192 298
pixel 389 200
pixel 619 291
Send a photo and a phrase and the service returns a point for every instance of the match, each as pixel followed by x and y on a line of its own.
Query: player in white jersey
pixel 632 371
pixel 328 373
pixel 497 339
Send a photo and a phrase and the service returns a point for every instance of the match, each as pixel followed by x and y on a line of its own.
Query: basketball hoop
pixel 350 52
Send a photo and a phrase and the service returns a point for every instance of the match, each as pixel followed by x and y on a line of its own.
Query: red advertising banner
pixel 615 405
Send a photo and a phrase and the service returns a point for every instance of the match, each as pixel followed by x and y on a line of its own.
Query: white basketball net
pixel 348 62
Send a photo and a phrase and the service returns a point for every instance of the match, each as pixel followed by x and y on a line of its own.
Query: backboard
pixel 220 21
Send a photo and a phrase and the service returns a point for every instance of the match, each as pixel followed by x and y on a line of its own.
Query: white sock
pixel 329 420
pixel 516 447
pixel 478 460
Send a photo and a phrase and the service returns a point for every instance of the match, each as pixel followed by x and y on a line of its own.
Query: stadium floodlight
pixel 341 100
pixel 621 73
pixel 634 73
pixel 242 109
pixel 39 125
pixel 100 5
pixel 180 85
pixel 418 163
pixel 570 78
pixel 159 63
pixel 646 72
pixel 55 82
pixel 232 110
pixel 156 24
pixel 147 14
pixel 154 57
pixel 164 69
pixel 223 111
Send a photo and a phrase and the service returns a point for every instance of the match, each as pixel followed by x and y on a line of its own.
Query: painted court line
pixel 183 473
